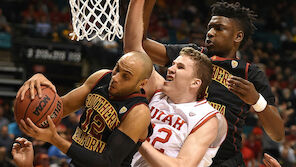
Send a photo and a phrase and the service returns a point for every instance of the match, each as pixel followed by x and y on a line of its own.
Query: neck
pixel 182 98
pixel 229 55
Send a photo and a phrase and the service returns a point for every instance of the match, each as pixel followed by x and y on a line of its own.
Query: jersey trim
pixel 217 58
pixel 156 91
pixel 101 78
pixel 204 120
pixel 203 101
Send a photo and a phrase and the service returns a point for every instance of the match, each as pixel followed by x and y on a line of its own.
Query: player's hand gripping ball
pixel 37 109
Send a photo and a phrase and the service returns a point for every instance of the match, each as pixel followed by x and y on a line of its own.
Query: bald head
pixel 142 62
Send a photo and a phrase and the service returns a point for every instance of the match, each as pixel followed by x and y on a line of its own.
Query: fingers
pixel 22 91
pixel 266 163
pixel 50 85
pixel 27 129
pixel 270 161
pixel 32 89
pixel 236 83
pixel 50 122
pixel 38 86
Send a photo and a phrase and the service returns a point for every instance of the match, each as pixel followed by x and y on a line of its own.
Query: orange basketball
pixel 37 109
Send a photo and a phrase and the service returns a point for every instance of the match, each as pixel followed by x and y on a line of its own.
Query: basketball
pixel 37 109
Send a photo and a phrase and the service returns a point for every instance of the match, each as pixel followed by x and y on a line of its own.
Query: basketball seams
pixel 31 103
pixel 47 109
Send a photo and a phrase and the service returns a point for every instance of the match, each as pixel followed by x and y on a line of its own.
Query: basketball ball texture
pixel 37 109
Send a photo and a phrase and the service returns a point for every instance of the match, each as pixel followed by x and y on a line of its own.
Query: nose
pixel 210 33
pixel 115 77
pixel 171 69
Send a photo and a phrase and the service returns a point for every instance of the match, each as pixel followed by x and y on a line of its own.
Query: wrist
pixel 260 105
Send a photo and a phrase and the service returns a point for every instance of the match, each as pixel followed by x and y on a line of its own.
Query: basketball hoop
pixel 95 18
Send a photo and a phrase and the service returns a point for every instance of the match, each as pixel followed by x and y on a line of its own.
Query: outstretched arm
pixel 155 50
pixel 72 101
pixel 133 31
pixel 120 143
pixel 192 151
pixel 132 41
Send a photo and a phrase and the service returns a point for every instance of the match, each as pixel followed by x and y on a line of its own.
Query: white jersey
pixel 172 123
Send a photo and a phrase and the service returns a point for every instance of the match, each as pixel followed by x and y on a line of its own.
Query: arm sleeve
pixel 172 51
pixel 261 83
pixel 118 147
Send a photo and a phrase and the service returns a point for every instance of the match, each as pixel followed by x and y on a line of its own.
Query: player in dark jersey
pixel 116 116
pixel 237 85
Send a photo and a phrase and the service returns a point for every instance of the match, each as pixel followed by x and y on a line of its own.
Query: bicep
pixel 197 143
pixel 135 124
pixel 74 100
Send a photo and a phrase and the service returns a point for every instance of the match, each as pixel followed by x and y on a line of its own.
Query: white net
pixel 95 18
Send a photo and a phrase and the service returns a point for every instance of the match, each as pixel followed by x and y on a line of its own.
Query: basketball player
pixel 181 117
pixel 237 85
pixel 116 116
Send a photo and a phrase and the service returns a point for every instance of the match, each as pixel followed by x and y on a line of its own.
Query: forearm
pixel 272 123
pixel 61 143
pixel 118 147
pixel 148 7
pixel 156 158
pixel 133 32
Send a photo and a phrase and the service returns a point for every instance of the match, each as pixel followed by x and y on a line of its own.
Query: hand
pixel 23 153
pixel 244 89
pixel 44 134
pixel 269 161
pixel 34 82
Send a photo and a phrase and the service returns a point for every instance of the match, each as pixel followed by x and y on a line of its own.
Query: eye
pixel 219 28
pixel 125 77
pixel 180 67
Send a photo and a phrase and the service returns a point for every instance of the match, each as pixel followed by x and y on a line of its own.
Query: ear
pixel 196 83
pixel 143 83
pixel 239 36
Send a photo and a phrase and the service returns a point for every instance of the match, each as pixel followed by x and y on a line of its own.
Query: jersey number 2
pixel 161 140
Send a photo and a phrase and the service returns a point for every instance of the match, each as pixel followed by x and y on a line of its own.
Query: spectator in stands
pixel 5 140
pixel 3 120
pixel 43 27
pixel 4 161
pixel 4 26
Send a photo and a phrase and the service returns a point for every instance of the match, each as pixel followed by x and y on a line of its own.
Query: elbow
pixel 127 48
pixel 279 137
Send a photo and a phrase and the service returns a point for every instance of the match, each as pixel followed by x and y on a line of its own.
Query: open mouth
pixel 169 78
pixel 209 42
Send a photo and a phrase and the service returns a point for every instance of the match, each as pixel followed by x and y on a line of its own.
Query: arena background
pixel 34 38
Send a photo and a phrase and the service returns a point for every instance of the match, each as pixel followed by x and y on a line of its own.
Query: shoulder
pixel 95 77
pixel 140 110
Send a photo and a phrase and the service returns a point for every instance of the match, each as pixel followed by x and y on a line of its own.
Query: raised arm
pixel 155 50
pixel 192 151
pixel 132 41
pixel 133 32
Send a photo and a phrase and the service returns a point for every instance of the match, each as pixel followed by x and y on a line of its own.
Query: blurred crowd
pixel 273 48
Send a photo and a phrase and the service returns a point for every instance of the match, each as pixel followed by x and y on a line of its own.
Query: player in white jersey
pixel 187 130
pixel 173 123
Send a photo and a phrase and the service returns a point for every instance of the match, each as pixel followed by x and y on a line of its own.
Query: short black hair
pixel 243 15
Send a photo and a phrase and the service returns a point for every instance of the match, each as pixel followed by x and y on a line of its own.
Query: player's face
pixel 125 78
pixel 180 76
pixel 220 36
